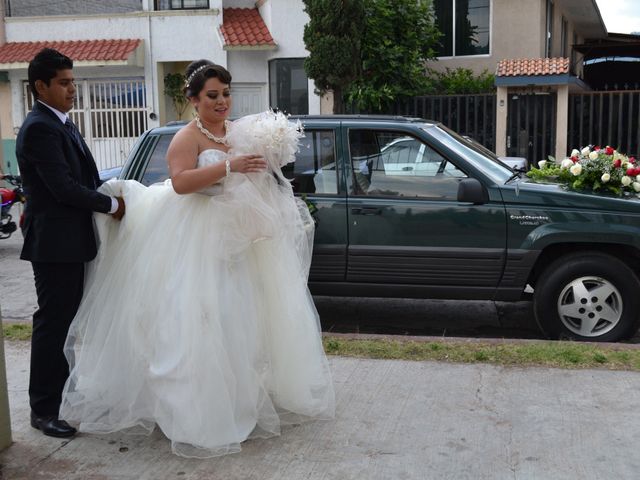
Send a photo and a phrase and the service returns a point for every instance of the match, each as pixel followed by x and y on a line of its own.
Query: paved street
pixel 382 316
pixel 395 419
pixel 441 318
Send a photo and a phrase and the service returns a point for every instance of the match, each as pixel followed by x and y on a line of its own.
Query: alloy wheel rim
pixel 590 306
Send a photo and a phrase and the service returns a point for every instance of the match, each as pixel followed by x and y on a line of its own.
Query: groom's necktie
pixel 75 134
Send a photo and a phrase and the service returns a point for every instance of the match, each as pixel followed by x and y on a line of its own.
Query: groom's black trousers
pixel 59 288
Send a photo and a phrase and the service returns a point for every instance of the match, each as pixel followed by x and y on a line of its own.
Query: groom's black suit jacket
pixel 60 180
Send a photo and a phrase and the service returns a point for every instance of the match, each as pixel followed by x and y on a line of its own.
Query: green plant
pixel 460 81
pixel 332 38
pixel 173 88
pixel 400 36
pixel 542 353
pixel 16 331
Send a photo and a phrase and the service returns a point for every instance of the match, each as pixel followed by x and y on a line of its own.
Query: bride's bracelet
pixel 227 167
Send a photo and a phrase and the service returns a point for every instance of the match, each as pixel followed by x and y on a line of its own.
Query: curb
pixel 479 341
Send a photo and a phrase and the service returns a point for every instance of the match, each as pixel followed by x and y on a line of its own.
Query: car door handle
pixel 366 211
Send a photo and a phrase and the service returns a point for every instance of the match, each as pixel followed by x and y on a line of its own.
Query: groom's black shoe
pixel 51 426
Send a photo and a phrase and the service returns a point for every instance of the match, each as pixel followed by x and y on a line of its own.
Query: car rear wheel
pixel 588 296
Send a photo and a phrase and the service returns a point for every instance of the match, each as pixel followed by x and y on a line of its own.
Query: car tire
pixel 588 296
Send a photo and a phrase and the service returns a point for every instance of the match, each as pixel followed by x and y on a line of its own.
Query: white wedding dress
pixel 197 318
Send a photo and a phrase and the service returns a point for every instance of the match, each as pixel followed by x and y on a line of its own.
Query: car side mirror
pixel 471 190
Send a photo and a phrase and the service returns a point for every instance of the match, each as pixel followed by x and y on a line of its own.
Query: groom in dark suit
pixel 60 180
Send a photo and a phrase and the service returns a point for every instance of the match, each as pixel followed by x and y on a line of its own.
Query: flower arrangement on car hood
pixel 270 134
pixel 592 169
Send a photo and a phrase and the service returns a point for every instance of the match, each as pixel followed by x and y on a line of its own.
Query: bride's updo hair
pixel 197 74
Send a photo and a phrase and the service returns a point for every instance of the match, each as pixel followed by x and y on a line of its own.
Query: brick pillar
pixel 501 121
pixel 5 420
pixel 562 123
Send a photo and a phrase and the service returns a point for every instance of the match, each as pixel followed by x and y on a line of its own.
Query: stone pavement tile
pixel 395 420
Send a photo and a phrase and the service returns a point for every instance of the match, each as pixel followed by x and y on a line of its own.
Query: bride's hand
pixel 247 163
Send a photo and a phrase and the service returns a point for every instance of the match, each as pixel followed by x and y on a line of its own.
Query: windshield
pixel 494 168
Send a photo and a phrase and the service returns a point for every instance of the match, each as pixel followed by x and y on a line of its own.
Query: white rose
pixel 542 164
pixel 566 163
pixel 575 152
pixel 636 186
pixel 585 151
pixel 576 169
pixel 626 181
pixel 593 155
pixel 605 177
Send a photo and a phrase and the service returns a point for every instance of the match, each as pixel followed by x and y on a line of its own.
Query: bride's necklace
pixel 211 136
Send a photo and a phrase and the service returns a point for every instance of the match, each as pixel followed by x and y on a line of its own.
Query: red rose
pixel 596 148
pixel 609 151
pixel 631 172
pixel 632 160
pixel 575 159
pixel 617 163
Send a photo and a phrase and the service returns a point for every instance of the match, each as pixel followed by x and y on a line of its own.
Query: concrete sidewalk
pixel 395 420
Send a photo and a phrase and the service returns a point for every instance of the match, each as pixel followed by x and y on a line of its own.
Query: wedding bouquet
pixel 592 169
pixel 270 134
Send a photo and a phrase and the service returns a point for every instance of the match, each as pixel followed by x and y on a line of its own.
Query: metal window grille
pixel 110 113
pixel 605 118
pixel 471 115
pixel 181 4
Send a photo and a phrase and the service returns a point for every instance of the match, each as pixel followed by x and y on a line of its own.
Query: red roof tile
pixel 532 66
pixel 244 27
pixel 77 50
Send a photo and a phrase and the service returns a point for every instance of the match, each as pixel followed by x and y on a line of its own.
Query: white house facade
pixel 121 58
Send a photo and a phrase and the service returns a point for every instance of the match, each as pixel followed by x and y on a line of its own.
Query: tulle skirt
pixel 197 318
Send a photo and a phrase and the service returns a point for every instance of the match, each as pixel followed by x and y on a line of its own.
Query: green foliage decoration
pixel 461 81
pixel 333 38
pixel 400 36
pixel 173 88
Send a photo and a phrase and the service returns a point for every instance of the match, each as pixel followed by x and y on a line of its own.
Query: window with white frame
pixel 549 43
pixel 465 26
pixel 181 4
pixel 564 38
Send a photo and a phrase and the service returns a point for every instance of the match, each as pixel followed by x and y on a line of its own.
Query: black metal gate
pixel 531 126
pixel 605 118
pixel 470 115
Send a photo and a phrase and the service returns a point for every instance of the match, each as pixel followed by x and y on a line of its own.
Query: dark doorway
pixel 531 126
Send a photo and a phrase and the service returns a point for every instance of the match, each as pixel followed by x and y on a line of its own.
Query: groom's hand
pixel 119 213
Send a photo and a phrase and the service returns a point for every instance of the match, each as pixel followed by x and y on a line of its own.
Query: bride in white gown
pixel 196 315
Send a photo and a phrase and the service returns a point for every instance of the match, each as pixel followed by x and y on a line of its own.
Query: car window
pixel 396 164
pixel 157 169
pixel 314 170
pixel 498 171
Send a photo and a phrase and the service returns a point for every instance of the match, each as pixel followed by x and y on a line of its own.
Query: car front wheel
pixel 588 296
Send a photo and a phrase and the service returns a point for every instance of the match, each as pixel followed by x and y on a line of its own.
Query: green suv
pixel 407 208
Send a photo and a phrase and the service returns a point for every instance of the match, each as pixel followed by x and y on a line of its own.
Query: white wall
pixel 248 66
pixel 286 21
pixel 177 36
pixel 181 36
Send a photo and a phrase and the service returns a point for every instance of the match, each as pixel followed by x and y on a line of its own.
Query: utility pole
pixel 5 419
pixel 3 40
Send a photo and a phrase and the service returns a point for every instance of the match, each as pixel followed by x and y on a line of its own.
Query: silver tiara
pixel 194 73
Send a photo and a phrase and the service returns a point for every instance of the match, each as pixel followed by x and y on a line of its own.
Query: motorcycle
pixel 9 197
